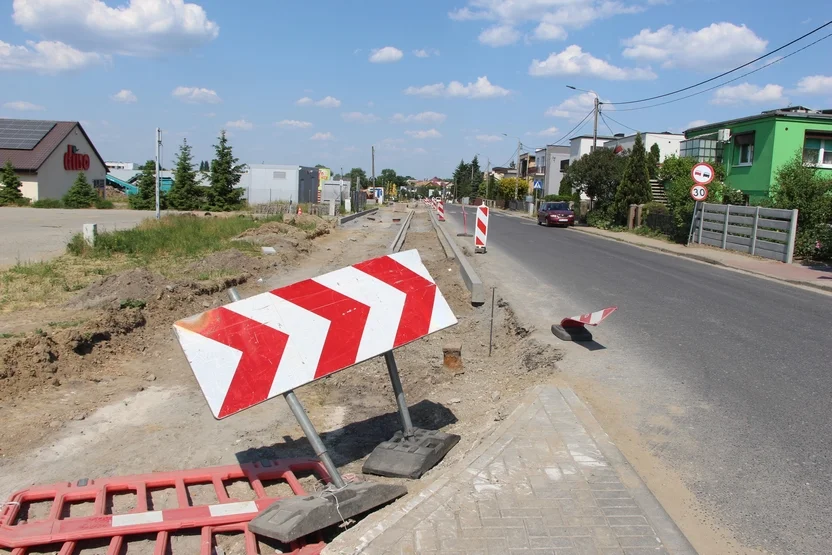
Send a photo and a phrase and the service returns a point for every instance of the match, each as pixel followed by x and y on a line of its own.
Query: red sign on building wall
pixel 73 161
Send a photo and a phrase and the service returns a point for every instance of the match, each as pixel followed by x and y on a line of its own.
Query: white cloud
pixel 746 92
pixel 46 57
pixel 551 17
pixel 489 138
pixel 424 134
pixel 499 35
pixel 482 88
pixel 815 84
pixel 23 106
pixel 326 102
pixel 210 115
pixel 422 117
pixel 697 123
pixel 196 95
pixel 574 61
pixel 322 137
pixel 359 117
pixel 548 30
pixel 293 123
pixel 137 27
pixel 425 52
pixel 386 55
pixel 125 96
pixel 241 124
pixel 550 132
pixel 576 107
pixel 717 46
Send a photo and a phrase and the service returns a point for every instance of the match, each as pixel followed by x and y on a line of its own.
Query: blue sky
pixel 427 82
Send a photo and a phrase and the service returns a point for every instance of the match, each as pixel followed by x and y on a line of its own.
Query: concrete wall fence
pixel 766 232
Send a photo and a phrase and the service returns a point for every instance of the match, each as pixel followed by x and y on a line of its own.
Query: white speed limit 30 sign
pixel 702 175
pixel 698 193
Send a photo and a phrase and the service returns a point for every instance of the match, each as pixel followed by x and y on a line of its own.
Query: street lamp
pixel 517 165
pixel 597 104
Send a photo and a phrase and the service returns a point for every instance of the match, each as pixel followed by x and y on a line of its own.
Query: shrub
pixel 654 208
pixel 81 194
pixel 602 218
pixel 22 201
pixel 733 196
pixel 103 204
pixel 48 203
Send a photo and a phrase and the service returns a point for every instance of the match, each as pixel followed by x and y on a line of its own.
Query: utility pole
pixel 487 177
pixel 595 127
pixel 374 167
pixel 517 169
pixel 158 175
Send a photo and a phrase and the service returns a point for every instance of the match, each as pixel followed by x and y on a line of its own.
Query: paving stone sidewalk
pixel 549 481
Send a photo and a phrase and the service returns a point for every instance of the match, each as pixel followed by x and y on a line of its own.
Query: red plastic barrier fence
pixel 19 533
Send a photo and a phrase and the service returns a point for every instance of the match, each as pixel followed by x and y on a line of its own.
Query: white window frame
pixel 823 143
pixel 750 152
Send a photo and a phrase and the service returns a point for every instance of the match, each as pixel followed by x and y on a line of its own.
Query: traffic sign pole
pixel 702 175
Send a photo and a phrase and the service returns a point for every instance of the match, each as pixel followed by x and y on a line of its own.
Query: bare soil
pixel 115 396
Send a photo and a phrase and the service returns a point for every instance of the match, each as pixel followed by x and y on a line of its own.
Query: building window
pixel 744 149
pixel 703 150
pixel 563 165
pixel 278 175
pixel 817 150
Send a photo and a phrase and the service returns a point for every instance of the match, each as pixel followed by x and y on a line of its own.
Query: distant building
pixel 47 156
pixel 122 165
pixel 582 144
pixel 669 143
pixel 272 183
pixel 554 160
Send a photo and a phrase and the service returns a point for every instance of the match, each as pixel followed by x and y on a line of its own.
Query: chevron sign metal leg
pixel 412 451
pixel 289 519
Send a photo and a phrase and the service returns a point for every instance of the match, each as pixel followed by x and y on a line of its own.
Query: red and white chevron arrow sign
pixel 591 319
pixel 252 350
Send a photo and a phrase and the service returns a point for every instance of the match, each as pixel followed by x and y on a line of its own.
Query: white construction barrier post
pixel 481 229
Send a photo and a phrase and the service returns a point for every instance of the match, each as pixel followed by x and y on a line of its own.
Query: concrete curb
pixel 351 217
pixel 449 254
pixel 707 260
pixel 668 531
pixel 398 241
pixel 469 275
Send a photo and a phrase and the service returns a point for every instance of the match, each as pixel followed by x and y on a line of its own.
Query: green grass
pixel 177 236
pixel 48 203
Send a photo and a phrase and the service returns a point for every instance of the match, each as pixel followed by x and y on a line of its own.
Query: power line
pixel 605 123
pixel 771 63
pixel 574 128
pixel 727 72
pixel 618 122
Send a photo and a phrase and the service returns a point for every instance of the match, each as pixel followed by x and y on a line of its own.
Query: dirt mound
pixel 139 284
pixel 230 260
pixel 45 359
pixel 314 226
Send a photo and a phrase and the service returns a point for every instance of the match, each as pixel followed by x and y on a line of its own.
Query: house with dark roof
pixel 48 155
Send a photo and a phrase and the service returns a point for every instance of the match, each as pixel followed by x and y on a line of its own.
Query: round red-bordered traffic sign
pixel 702 173
pixel 698 193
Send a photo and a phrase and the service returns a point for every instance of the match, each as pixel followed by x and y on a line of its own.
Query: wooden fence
pixel 766 232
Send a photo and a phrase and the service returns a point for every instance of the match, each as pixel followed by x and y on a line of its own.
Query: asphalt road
pixel 33 234
pixel 731 374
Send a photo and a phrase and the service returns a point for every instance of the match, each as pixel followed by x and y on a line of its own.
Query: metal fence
pixel 766 232
pixel 661 222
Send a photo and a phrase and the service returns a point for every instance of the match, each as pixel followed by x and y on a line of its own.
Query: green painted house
pixel 753 148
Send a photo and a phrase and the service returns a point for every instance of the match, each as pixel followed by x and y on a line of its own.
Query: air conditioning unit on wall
pixel 723 135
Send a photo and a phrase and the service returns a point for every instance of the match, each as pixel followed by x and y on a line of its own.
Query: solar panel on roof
pixel 22 134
